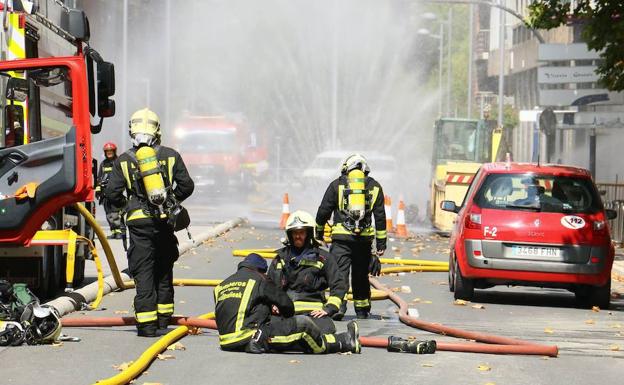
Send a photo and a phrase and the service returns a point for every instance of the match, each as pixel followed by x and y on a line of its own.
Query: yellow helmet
pixel 144 127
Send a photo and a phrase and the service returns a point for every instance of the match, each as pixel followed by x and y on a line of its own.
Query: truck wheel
pixel 464 287
pixel 451 273
pixel 590 296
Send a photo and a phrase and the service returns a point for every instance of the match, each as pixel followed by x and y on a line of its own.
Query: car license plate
pixel 536 251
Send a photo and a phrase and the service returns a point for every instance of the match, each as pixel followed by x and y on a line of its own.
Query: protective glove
pixel 374 266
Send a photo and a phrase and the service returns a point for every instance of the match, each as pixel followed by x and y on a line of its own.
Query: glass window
pixel 545 193
pixel 462 140
pixel 208 142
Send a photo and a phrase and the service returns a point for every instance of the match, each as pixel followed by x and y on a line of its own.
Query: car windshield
pixel 327 163
pixel 547 193
pixel 207 141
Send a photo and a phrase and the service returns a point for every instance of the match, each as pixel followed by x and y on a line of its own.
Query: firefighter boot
pixel 401 345
pixel 341 311
pixel 348 342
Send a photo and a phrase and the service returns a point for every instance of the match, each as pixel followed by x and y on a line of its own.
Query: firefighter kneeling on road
pixel 114 214
pixel 245 302
pixel 155 180
pixel 305 271
pixel 352 199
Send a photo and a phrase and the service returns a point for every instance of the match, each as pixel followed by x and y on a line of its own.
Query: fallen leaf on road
pixel 427 365
pixel 123 366
pixel 176 346
pixel 614 348
pixel 182 301
pixel 396 249
pixel 294 362
pixel 165 357
pixel 441 283
pixel 121 311
pixel 460 302
pixel 395 289
pixel 195 331
pixel 427 302
pixel 590 322
pixel 484 368
pixel 545 358
pixel 478 306
pixel 416 300
pixel 406 289
pixel 595 309
pixel 616 326
pixel 549 331
pixel 57 344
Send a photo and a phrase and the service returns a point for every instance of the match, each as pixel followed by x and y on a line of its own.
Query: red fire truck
pixel 221 153
pixel 52 86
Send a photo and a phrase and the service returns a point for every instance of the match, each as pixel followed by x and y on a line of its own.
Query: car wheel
pixel 464 287
pixel 451 273
pixel 600 295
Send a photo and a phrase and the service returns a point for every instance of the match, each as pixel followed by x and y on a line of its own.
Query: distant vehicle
pixel 525 224
pixel 326 167
pixel 220 153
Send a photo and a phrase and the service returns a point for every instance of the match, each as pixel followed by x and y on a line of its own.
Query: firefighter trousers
pixel 294 334
pixel 114 218
pixel 353 258
pixel 152 252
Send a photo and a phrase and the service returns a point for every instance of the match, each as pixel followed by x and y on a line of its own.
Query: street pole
pixel 449 75
pixel 501 65
pixel 334 100
pixel 440 67
pixel 124 71
pixel 470 59
pixel 592 152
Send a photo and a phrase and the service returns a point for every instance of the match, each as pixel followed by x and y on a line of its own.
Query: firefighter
pixel 353 199
pixel 305 271
pixel 255 316
pixel 114 214
pixel 153 244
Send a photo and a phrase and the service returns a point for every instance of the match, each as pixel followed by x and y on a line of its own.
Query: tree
pixel 603 31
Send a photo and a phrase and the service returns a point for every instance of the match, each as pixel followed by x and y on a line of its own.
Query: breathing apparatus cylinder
pixel 356 200
pixel 152 177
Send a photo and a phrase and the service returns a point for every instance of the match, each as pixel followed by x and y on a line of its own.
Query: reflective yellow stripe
pixel 361 303
pixel 305 306
pixel 332 300
pixel 340 197
pixel 330 338
pixel 375 194
pixel 166 308
pixel 170 163
pixel 243 305
pixel 146 316
pixel 231 338
pixel 382 234
pixel 137 214
pixel 317 264
pixel 338 228
pixel 98 188
pixel 280 265
pixel 320 227
pixel 107 169
pixel 126 174
pixel 299 336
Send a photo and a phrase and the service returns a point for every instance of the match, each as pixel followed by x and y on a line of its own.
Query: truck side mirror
pixel 611 214
pixel 105 89
pixel 449 206
pixel 76 23
pixel 17 89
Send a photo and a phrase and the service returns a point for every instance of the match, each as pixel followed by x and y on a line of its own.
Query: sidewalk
pixel 618 265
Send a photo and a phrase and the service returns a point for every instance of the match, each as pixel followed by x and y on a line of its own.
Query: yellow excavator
pixel 461 146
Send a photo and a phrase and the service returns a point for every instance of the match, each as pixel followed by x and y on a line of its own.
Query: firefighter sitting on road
pixel 114 214
pixel 305 271
pixel 155 179
pixel 352 199
pixel 255 316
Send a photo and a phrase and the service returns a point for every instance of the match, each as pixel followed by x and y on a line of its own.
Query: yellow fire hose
pixel 439 265
pixel 146 358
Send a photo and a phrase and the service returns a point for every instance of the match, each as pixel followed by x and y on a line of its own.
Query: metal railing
pixel 613 198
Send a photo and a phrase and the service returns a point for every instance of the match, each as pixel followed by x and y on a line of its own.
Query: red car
pixel 532 225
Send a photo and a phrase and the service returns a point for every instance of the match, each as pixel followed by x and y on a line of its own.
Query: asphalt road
pixel 588 341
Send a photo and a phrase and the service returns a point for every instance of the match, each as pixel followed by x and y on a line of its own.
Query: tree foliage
pixel 603 31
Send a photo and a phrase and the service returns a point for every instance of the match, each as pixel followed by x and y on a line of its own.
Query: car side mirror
pixel 611 214
pixel 449 206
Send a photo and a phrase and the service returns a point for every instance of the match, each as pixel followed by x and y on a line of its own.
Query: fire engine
pixel 221 153
pixel 53 86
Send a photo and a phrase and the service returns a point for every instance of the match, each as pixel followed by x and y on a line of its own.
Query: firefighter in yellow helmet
pixel 155 180
pixel 305 270
pixel 353 199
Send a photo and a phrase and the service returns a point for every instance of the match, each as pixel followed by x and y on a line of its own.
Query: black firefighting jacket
pixel 334 203
pixel 103 175
pixel 243 304
pixel 306 280
pixel 124 178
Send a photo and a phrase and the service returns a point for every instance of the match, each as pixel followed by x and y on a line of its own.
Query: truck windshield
pixel 200 141
pixel 466 140
pixel 547 193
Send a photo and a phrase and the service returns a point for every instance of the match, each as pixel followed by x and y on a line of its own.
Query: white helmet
pixel 301 220
pixel 144 127
pixel 355 161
